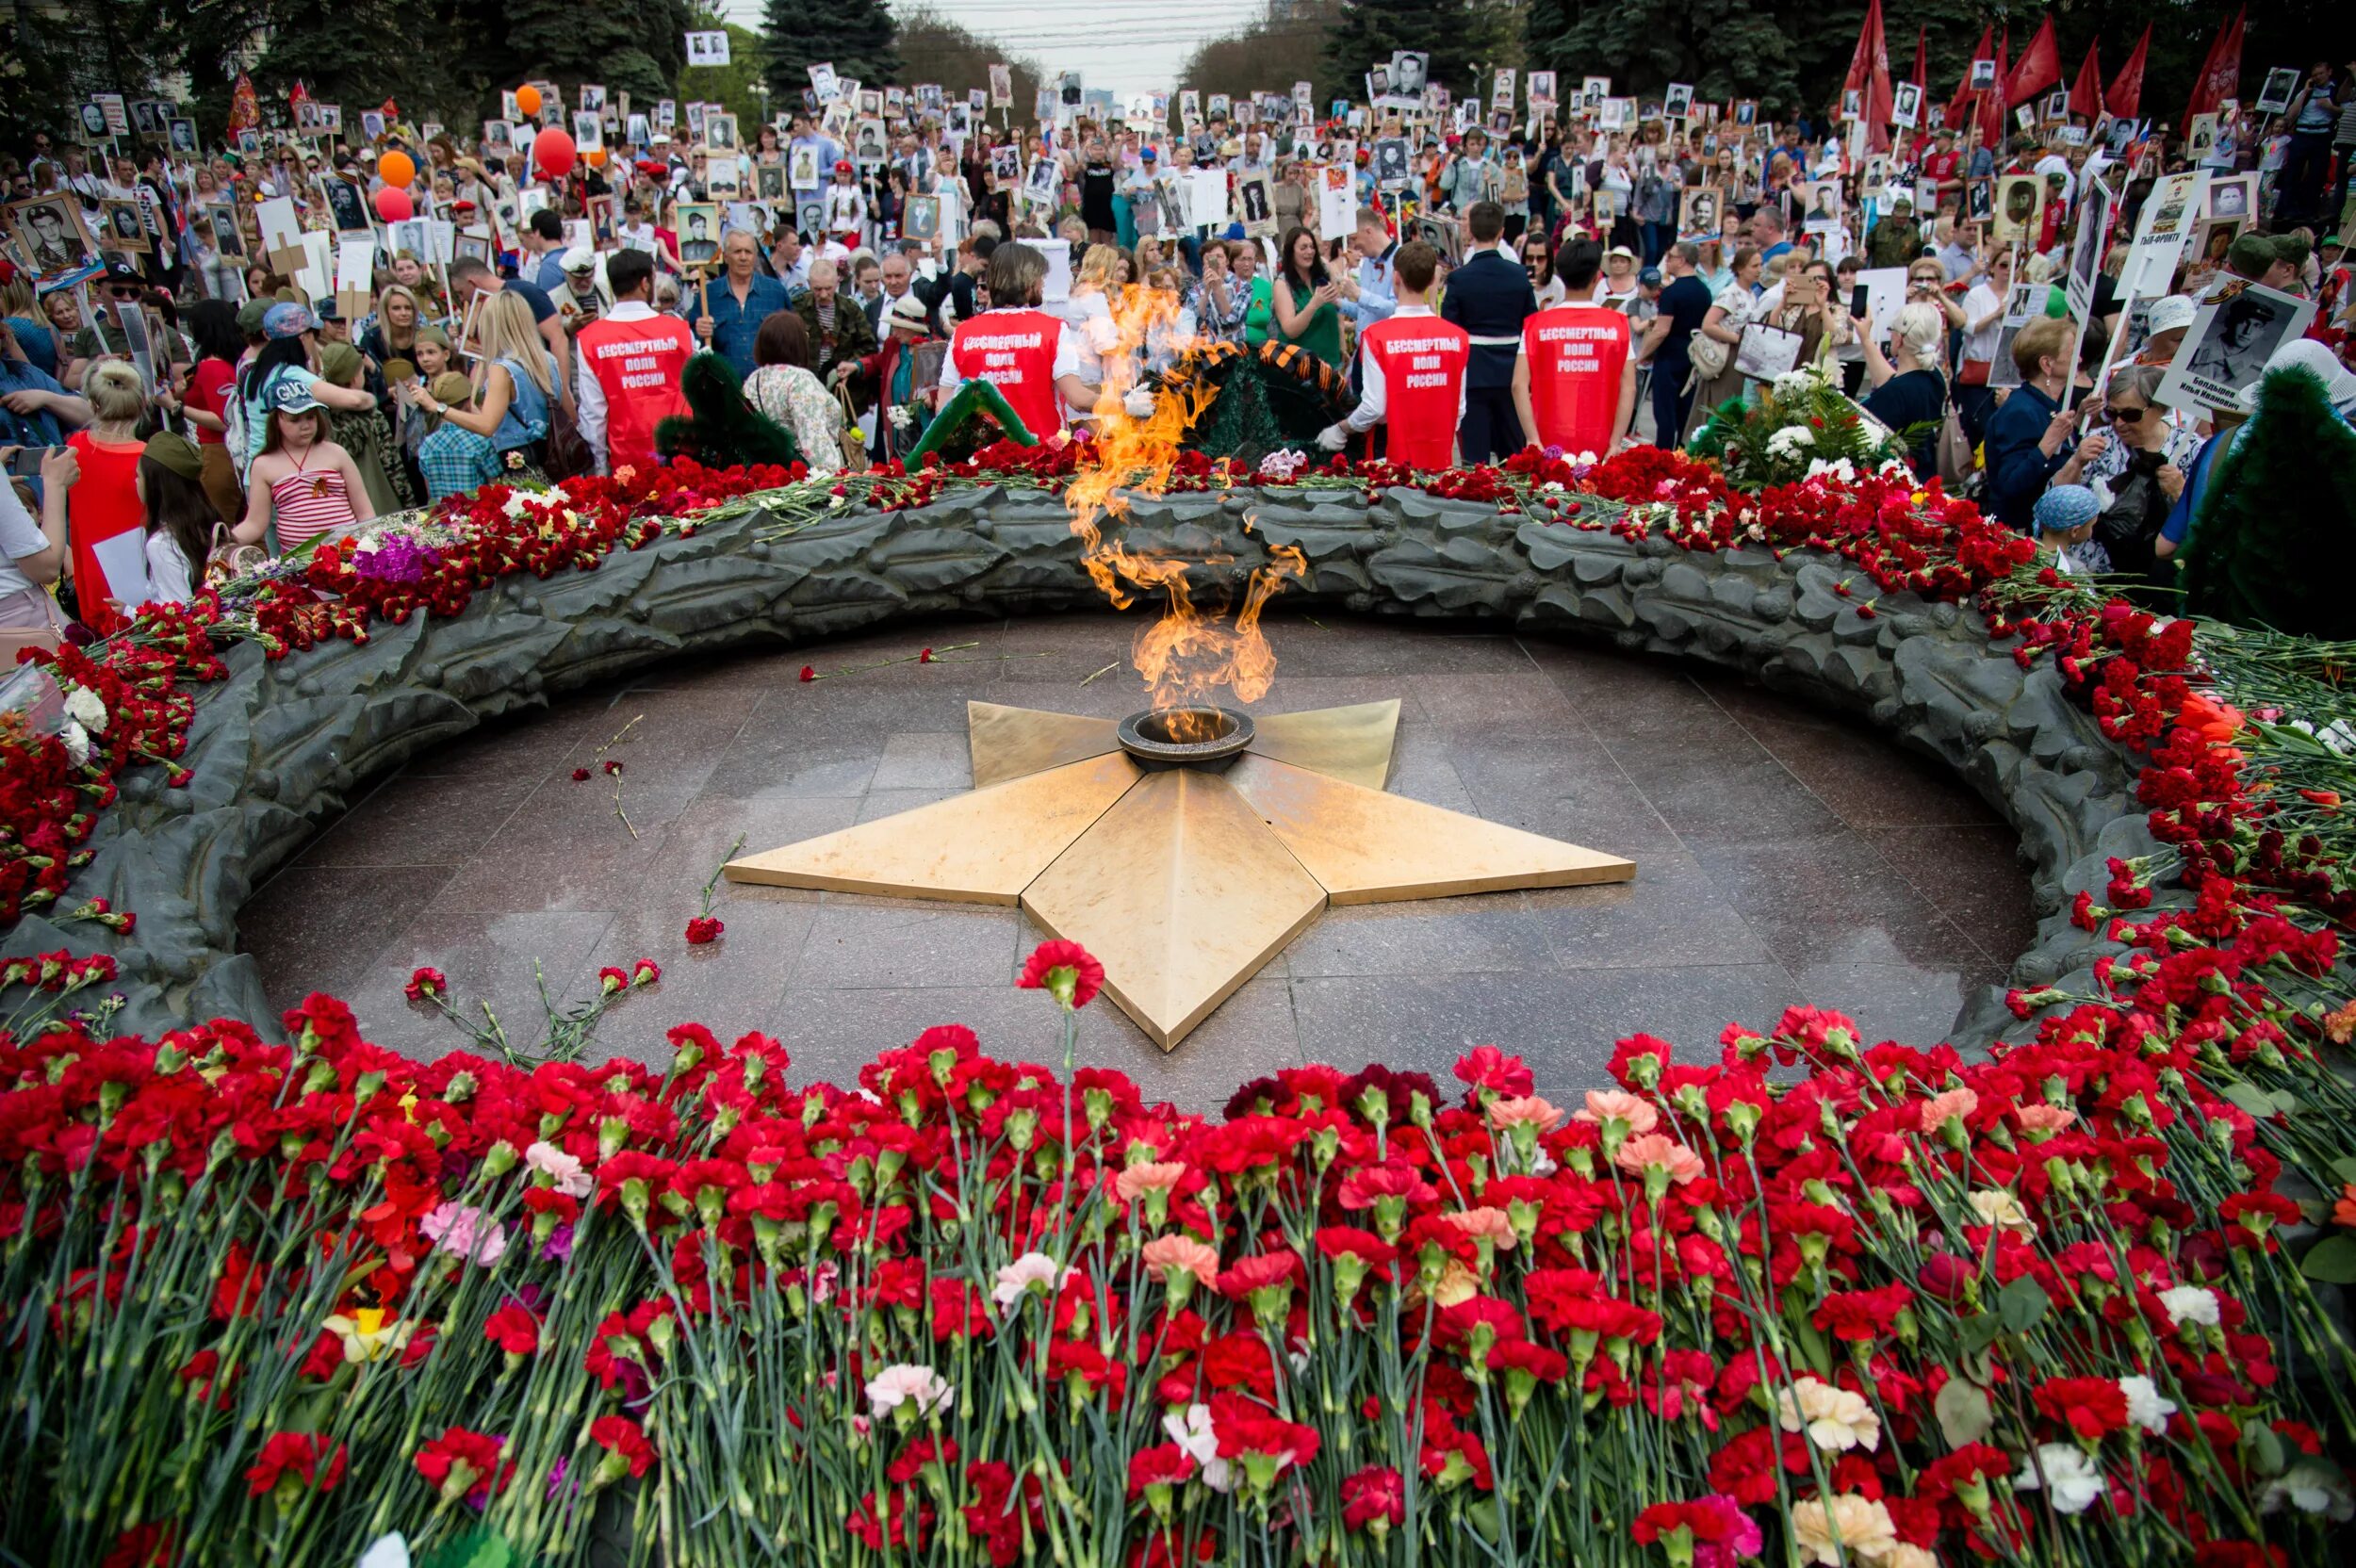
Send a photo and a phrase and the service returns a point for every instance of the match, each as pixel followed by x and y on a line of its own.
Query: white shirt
pixel 1982 301
pixel 1377 388
pixel 167 574
pixel 20 536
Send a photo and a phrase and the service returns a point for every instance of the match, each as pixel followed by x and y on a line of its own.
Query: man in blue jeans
pixel 1667 345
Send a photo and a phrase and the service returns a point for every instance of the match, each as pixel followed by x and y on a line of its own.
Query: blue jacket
pixel 2018 472
pixel 735 326
pixel 1490 297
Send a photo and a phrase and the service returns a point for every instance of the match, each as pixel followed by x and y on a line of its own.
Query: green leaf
pixel 2264 1446
pixel 2332 1260
pixel 1963 1413
pixel 480 1548
pixel 2250 1097
pixel 2345 1167
pixel 2021 1304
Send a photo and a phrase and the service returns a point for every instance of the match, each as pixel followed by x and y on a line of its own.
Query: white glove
pixel 1139 404
pixel 1333 438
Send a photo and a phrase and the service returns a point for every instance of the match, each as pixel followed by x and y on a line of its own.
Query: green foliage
pixel 933 49
pixel 722 427
pixel 854 35
pixel 731 85
pixel 1463 37
pixel 963 426
pixel 633 46
pixel 1798 421
pixel 2275 541
pixel 1272 54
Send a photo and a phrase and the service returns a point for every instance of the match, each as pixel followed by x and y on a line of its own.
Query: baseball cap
pixel 292 395
pixel 287 320
pixel 451 387
pixel 119 270
pixel 1649 277
pixel 842 166
pixel 2175 311
pixel 1148 154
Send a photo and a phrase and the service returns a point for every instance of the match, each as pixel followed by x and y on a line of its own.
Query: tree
pixel 731 85
pixel 633 46
pixel 933 49
pixel 1286 46
pixel 1461 37
pixel 857 36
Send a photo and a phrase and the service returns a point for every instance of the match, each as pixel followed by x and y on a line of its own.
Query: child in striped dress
pixel 302 482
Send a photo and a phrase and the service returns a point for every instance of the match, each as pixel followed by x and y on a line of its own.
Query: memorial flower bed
pixel 1792 1295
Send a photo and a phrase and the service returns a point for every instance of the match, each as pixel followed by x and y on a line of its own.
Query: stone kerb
pixel 278 750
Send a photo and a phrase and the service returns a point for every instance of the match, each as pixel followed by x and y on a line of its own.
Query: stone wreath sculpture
pixel 277 750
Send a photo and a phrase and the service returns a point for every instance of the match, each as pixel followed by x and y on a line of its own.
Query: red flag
pixel 2085 94
pixel 1922 59
pixel 2039 67
pixel 2126 94
pixel 2220 74
pixel 1869 79
pixel 245 110
pixel 1960 105
pixel 1992 103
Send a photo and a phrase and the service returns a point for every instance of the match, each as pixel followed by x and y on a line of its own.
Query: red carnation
pixel 1374 1497
pixel 581 776
pixel 1066 972
pixel 425 983
pixel 318 1460
pixel 2091 1408
pixel 808 674
pixel 1164 1465
pixel 704 929
pixel 626 1440
pixel 462 1464
pixel 513 1328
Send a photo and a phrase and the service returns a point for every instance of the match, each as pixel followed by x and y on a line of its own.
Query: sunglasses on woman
pixel 2126 416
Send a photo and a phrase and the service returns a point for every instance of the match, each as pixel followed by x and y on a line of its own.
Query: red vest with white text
pixel 1423 360
pixel 1015 350
pixel 1577 355
pixel 637 365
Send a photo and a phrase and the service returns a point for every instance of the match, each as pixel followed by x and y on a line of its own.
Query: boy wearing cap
pixel 454 459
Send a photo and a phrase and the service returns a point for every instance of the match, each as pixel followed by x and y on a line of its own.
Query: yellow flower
pixel 1862 1527
pixel 1834 1419
pixel 367 1336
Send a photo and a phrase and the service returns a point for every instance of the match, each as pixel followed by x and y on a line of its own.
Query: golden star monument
pixel 1184 849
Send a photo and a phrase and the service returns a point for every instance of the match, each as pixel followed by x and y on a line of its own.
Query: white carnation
pixel 87 709
pixel 76 743
pixel 1839 468
pixel 2076 1480
pixel 2146 1406
pixel 1797 383
pixel 2311 1486
pixel 2190 1304
pixel 1789 441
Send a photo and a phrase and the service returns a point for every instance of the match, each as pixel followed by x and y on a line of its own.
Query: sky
pixel 1123 45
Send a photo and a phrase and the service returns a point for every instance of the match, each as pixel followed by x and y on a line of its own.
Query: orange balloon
pixel 396 168
pixel 528 99
pixel 595 156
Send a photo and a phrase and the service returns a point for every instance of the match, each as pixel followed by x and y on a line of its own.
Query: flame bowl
pixel 1154 738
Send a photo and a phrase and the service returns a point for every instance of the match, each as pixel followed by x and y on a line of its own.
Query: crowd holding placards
pixel 313 325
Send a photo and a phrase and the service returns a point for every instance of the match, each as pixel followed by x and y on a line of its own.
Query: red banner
pixel 1960 105
pixel 1869 79
pixel 2126 94
pixel 2085 94
pixel 2220 74
pixel 2039 67
pixel 245 110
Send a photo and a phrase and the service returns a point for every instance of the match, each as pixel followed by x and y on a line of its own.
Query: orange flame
pixel 1188 655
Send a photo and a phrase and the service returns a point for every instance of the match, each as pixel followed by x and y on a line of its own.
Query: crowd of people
pixel 186 379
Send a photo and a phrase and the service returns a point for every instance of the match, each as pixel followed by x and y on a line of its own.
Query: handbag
pixel 15 639
pixel 1974 372
pixel 854 443
pixel 1953 452
pixel 1708 354
pixel 567 454
pixel 227 560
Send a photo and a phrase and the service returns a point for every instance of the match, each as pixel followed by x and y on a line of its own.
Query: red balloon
pixel 393 205
pixel 552 153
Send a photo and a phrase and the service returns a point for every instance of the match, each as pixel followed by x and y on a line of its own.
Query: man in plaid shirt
pixel 455 460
